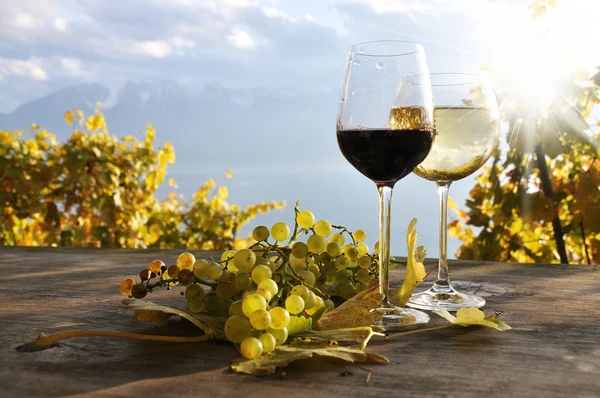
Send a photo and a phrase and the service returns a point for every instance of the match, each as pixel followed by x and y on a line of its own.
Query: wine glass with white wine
pixel 467 132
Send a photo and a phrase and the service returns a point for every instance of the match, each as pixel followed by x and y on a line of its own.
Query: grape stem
pixel 389 336
pixel 344 229
pixel 295 233
pixel 44 340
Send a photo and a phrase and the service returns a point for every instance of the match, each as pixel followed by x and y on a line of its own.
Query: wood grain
pixel 553 349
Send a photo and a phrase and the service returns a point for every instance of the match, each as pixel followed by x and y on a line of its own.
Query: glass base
pixel 444 297
pixel 398 318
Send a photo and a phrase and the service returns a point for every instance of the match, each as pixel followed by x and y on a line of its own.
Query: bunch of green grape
pixel 260 288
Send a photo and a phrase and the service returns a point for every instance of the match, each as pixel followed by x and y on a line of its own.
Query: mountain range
pixel 207 126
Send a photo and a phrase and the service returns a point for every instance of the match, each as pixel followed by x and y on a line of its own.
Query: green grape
pixel 186 261
pixel 244 260
pixel 305 219
pixel 346 291
pixel 155 266
pixel 236 328
pixel 341 263
pixel 376 247
pixel 338 238
pixel 253 333
pixel 316 270
pixel 280 231
pixel 265 293
pixel 227 260
pixel 260 233
pixel 226 277
pixel 200 268
pixel 280 335
pixel 342 276
pixel 236 308
pixel 253 302
pixel 186 277
pixel 362 249
pixel 260 319
pixel 212 301
pixel 260 260
pixel 225 304
pixel 126 286
pixel 364 261
pixel 308 277
pixel 360 235
pixel 316 243
pixel 196 306
pixel 299 290
pixel 280 317
pixel 330 269
pixel 329 305
pixel 251 348
pixel 194 292
pixel 173 271
pixel 226 290
pixel 243 281
pixel 260 273
pixel 294 304
pixel 309 300
pixel 139 291
pixel 248 292
pixel 353 253
pixel 298 263
pixel 268 341
pixel 325 258
pixel 270 285
pixel 362 275
pixel 346 247
pixel 299 250
pixel 319 303
pixel 165 276
pixel 323 228
pixel 333 249
pixel 214 271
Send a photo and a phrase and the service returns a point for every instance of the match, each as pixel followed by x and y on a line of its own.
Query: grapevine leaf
pixel 298 324
pixel 210 324
pixel 360 335
pixel 285 354
pixel 415 270
pixel 317 315
pixel 152 316
pixel 360 310
pixel 473 316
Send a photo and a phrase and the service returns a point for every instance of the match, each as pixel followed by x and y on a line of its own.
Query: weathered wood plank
pixel 554 349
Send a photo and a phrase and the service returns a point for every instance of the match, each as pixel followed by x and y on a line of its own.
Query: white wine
pixel 465 139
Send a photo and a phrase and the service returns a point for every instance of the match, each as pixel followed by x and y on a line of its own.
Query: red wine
pixel 385 155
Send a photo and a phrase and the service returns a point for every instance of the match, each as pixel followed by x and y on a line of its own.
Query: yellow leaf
pixel 473 316
pixel 228 174
pixel 415 271
pixel 69 117
pixel 451 203
pixel 360 310
pixel 172 182
pixel 223 192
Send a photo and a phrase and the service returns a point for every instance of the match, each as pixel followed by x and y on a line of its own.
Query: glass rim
pixel 477 78
pixel 417 48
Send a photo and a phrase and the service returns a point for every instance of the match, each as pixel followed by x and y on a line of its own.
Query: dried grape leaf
pixel 415 270
pixel 473 316
pixel 360 310
pixel 285 354
pixel 360 335
pixel 210 324
pixel 298 324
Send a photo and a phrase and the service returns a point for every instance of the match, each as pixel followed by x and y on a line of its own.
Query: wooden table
pixel 553 349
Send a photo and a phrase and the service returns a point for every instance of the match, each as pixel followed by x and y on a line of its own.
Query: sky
pixel 302 44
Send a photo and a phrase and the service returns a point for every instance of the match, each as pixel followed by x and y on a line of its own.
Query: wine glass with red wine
pixel 385 129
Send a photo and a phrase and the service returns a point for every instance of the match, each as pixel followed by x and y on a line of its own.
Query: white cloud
pixel 31 68
pixel 60 25
pixel 152 48
pixel 72 65
pixel 241 39
pixel 273 12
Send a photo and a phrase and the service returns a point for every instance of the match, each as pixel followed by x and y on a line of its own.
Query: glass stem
pixel 443 278
pixel 385 208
